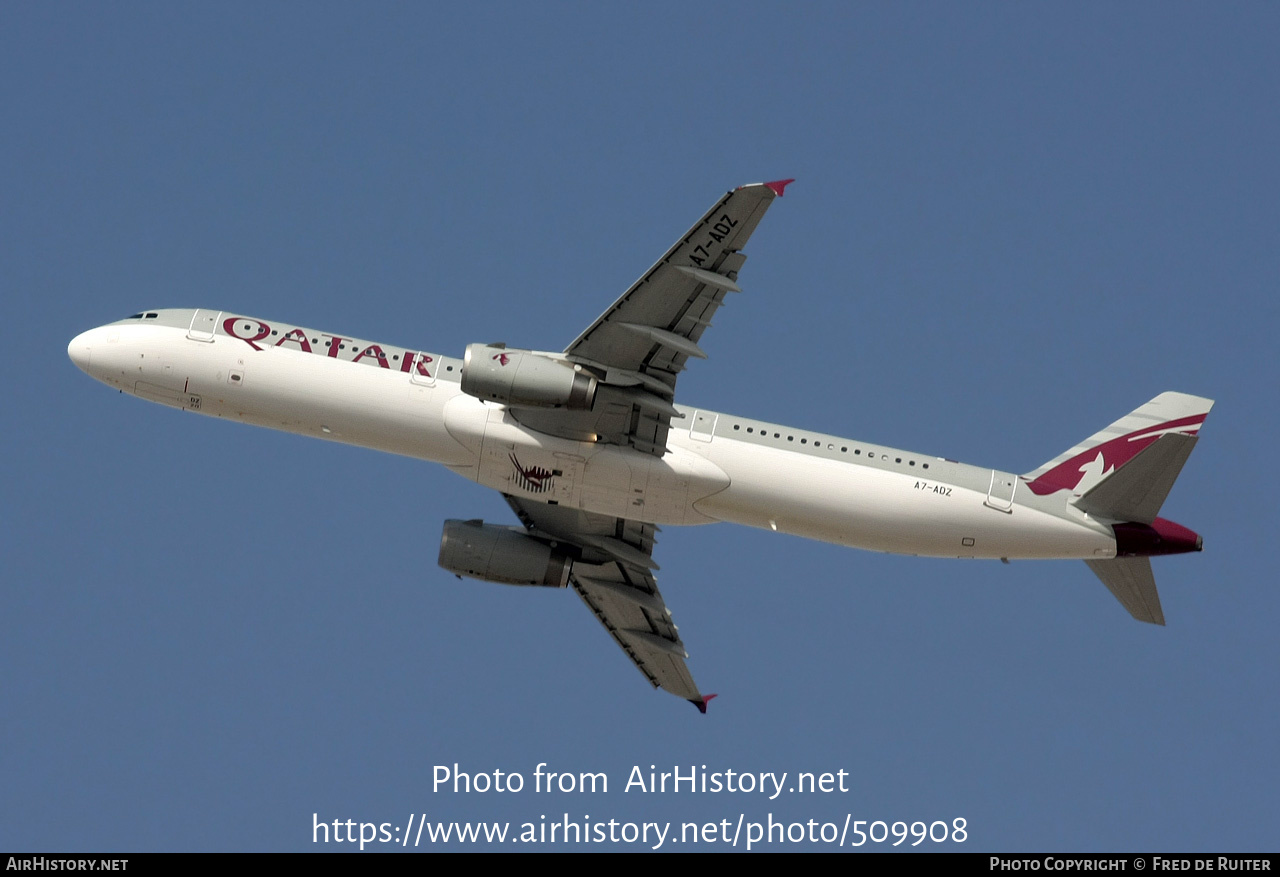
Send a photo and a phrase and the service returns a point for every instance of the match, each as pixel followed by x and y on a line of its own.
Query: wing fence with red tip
pixel 702 704
pixel 777 186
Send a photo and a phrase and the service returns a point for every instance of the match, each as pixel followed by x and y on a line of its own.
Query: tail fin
pixel 1136 491
pixel 1098 458
pixel 1124 473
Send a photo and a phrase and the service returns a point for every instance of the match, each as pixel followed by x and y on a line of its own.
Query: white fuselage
pixel 718 467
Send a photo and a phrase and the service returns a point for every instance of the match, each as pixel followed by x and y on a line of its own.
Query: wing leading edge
pixel 642 342
pixel 677 296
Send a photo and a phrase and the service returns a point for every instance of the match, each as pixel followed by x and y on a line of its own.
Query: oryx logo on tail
pixel 1090 462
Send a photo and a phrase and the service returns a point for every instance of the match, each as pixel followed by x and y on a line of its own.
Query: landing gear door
pixel 203 324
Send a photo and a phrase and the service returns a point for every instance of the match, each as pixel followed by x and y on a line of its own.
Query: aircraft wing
pixel 656 324
pixel 614 577
pixel 643 340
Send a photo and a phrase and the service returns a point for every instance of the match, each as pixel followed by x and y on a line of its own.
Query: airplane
pixel 593 454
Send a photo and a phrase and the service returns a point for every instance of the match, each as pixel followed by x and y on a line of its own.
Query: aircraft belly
pixel 866 507
pixel 515 459
pixel 614 483
pixel 641 487
pixel 605 479
pixel 464 418
pixel 677 481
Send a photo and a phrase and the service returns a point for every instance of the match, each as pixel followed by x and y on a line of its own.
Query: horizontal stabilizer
pixel 1131 581
pixel 1136 490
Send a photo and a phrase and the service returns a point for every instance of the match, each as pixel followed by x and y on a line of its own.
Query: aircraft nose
pixel 80 350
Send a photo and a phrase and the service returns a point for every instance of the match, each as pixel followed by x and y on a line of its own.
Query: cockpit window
pixel 135 317
pixel 152 316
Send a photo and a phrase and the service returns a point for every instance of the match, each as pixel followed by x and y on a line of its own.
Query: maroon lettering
pixel 334 342
pixel 298 336
pixel 376 352
pixel 230 325
pixel 416 359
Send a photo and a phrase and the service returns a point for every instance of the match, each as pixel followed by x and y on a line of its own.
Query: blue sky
pixel 1011 225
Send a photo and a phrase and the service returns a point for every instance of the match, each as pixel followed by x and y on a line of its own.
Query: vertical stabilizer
pixel 1136 491
pixel 1086 465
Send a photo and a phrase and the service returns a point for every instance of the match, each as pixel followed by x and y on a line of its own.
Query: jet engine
pixel 520 377
pixel 505 555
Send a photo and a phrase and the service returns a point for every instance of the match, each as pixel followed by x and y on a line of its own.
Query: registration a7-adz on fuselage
pixel 591 451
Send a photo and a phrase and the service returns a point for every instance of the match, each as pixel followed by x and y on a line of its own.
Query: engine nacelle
pixel 519 377
pixel 501 554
